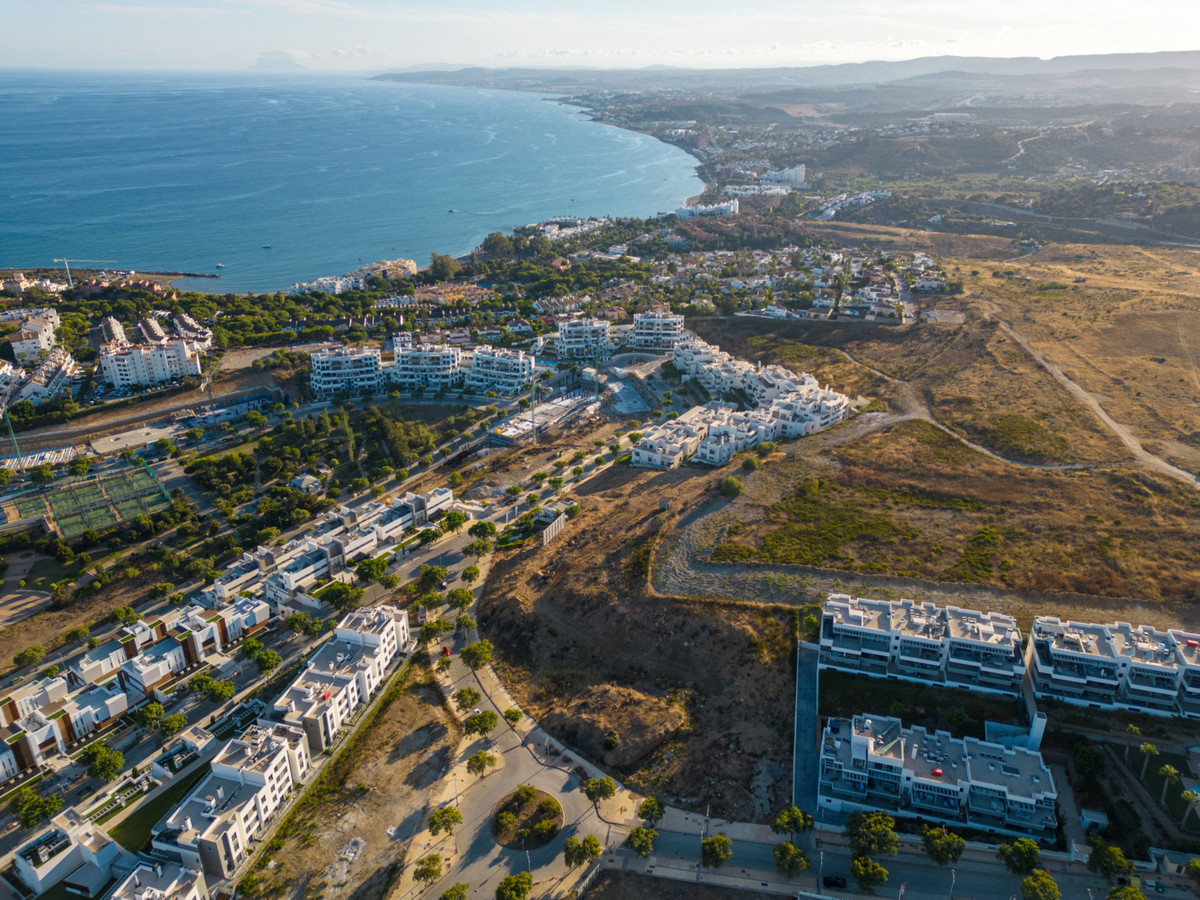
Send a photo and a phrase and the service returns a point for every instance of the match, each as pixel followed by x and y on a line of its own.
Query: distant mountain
pixel 277 61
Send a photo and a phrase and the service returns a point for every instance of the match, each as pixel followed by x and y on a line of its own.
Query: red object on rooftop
pixel 937 773
pixel 1193 643
pixel 325 696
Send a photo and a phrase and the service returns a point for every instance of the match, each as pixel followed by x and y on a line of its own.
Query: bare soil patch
pixel 526 831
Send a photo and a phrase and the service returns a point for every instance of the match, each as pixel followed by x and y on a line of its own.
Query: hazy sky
pixel 381 34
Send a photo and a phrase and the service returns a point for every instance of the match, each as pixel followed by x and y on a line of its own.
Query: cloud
pixel 118 9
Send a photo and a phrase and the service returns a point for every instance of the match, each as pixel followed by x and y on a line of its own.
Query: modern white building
pixel 1115 666
pixel 212 828
pixel 426 366
pixel 922 643
pixel 346 370
pixel 583 339
pixel 656 329
pixel 190 330
pixel 112 331
pixel 874 762
pixel 125 365
pixel 73 851
pixel 496 369
pixel 157 664
pixel 161 881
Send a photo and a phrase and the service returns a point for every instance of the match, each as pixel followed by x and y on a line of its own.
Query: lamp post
pixel 820 870
pixel 953 878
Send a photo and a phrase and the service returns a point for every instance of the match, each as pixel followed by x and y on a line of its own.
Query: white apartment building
pixel 155 665
pixel 873 762
pixel 190 330
pixel 161 881
pixel 126 365
pixel 583 339
pixel 112 331
pixel 52 376
pixel 426 365
pixel 72 851
pixel 35 336
pixel 1116 666
pixel 922 643
pixel 499 370
pixel 656 329
pixel 212 829
pixel 346 370
pixel 152 330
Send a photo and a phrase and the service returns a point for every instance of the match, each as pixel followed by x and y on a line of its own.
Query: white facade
pixel 156 665
pixel 125 365
pixel 656 330
pixel 72 850
pixel 426 365
pixel 161 881
pixel 873 762
pixel 346 370
pixel 583 339
pixel 922 643
pixel 36 335
pixel 499 370
pixel 52 376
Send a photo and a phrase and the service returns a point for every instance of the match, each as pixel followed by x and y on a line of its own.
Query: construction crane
pixel 67 265
pixel 17 458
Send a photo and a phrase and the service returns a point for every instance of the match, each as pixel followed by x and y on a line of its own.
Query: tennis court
pixel 100 501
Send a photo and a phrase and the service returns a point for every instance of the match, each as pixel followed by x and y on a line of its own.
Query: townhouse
pixel 922 643
pixel 874 762
pixel 52 377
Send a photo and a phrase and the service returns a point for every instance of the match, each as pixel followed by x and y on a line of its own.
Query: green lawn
pixel 1154 782
pixel 133 832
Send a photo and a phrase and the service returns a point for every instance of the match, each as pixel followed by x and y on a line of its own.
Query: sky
pixel 377 35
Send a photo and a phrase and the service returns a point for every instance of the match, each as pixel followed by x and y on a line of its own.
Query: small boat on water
pixel 220 265
pixel 266 246
pixel 452 210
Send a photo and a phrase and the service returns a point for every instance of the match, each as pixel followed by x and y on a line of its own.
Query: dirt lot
pixel 655 688
pixel 381 780
pixel 626 886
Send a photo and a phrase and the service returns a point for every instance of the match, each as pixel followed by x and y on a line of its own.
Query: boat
pixel 220 265
pixel 450 210
pixel 266 246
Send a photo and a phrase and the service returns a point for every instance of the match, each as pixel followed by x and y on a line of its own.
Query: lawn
pixel 1154 781
pixel 133 832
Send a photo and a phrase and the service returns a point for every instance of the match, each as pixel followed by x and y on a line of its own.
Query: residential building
pixel 72 851
pixel 112 331
pixel 152 330
pixel 426 366
pixel 52 377
pixel 346 370
pixel 161 881
pixel 154 666
pixel 125 365
pixel 212 828
pixel 36 336
pixel 656 329
pixel 188 329
pixel 583 339
pixel 874 762
pixel 922 643
pixel 503 371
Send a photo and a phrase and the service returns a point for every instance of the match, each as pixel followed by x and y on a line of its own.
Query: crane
pixel 67 265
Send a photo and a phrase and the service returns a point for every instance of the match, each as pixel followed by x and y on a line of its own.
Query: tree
pixel 514 887
pixel 460 598
pixel 1170 776
pixel 1106 859
pixel 715 851
pixel 466 698
pixel 42 474
pixel 480 762
pixel 343 597
pixel 251 647
pixel 464 623
pixel 480 548
pixel 868 874
pixel 1126 892
pixel 443 267
pixel 651 809
pixel 444 819
pixel 1133 731
pixel 1192 871
pixel 597 789
pixel 149 715
pixel 432 577
pixel 76 634
pixel 524 794
pixel 104 762
pixel 30 656
pixel 790 860
pixel 579 853
pixel 1021 856
pixel 1039 886
pixel 29 807
pixel 481 723
pixel 453 521
pixel 477 654
pixel 172 725
pixel 458 891
pixel 428 868
pixel 942 846
pixel 482 529
pixel 1148 750
pixel 732 487
pixel 1191 800
pixel 255 419
pixel 792 820
pixel 513 715
pixel 371 569
pixel 79 465
pixel 470 574
pixel 871 834
pixel 268 660
pixel 641 840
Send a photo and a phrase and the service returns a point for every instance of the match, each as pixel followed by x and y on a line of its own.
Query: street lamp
pixel 820 870
pixel 953 877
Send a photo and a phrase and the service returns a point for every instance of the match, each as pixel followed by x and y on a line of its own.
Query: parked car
pixel 834 881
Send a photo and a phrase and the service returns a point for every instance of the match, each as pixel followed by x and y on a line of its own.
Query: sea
pixel 286 178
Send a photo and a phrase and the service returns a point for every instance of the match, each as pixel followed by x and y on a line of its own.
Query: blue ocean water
pixel 180 172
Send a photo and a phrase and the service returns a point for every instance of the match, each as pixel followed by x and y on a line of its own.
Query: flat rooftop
pixel 1074 637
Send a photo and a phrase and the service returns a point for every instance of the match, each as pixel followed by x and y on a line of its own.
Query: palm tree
pixel 1148 750
pixel 1170 776
pixel 1132 730
pixel 1191 800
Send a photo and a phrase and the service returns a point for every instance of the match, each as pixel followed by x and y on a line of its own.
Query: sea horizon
pixel 286 177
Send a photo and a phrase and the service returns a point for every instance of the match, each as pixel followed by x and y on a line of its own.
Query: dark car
pixel 834 881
